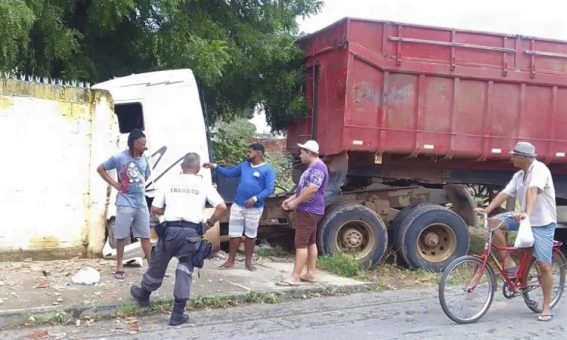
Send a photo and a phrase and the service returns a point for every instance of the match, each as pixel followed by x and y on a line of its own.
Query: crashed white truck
pixel 61 132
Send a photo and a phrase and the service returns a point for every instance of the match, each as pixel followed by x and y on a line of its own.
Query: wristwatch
pixel 209 222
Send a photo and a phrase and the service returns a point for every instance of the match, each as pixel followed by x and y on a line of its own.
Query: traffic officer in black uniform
pixel 182 203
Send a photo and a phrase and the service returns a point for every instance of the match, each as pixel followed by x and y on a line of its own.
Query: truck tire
pixel 353 229
pixel 431 237
pixel 328 209
pixel 398 221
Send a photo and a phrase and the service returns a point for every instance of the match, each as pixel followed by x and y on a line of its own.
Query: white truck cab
pixel 166 106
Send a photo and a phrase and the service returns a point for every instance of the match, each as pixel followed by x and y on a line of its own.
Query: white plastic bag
pixel 525 238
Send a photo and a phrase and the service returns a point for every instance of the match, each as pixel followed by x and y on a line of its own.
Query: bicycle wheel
pixel 466 289
pixel 533 296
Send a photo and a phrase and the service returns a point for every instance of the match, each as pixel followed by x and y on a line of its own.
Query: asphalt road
pixel 407 314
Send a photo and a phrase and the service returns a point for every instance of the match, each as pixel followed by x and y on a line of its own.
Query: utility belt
pixel 204 248
pixel 160 228
pixel 183 224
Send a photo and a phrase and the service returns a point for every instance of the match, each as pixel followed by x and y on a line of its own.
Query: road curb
pixel 59 314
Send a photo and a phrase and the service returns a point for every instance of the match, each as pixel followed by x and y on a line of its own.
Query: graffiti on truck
pixel 159 155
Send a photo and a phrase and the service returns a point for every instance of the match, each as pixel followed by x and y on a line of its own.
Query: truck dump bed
pixel 391 88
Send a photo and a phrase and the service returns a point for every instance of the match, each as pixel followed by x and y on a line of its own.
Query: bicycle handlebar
pixel 485 221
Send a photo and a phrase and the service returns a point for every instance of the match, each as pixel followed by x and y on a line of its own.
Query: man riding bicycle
pixel 533 187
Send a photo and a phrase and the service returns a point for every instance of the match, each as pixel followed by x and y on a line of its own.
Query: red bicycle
pixel 467 285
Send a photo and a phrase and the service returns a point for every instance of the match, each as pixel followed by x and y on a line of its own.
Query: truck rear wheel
pixel 398 221
pixel 430 237
pixel 353 229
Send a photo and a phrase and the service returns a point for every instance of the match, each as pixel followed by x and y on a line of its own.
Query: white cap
pixel 310 145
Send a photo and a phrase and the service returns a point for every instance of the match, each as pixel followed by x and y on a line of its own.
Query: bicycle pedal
pixel 531 304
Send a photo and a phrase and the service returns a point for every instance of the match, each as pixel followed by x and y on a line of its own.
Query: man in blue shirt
pixel 257 180
pixel 132 213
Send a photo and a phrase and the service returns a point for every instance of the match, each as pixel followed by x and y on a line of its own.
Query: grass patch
pixel 346 266
pixel 59 318
pixel 269 298
pixel 390 277
pixel 387 276
pixel 199 302
pixel 213 302
pixel 134 309
pixel 228 301
pixel 275 251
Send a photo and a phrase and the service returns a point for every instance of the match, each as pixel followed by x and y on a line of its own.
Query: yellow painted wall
pixel 53 138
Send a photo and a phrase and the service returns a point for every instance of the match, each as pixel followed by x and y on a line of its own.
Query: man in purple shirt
pixel 309 205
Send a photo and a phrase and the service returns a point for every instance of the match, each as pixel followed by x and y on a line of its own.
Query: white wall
pixel 53 138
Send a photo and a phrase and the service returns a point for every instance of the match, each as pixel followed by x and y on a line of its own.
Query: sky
pixel 541 18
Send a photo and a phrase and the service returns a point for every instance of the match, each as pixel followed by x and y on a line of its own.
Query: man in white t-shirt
pixel 533 187
pixel 182 204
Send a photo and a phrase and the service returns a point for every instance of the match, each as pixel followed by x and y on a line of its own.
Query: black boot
pixel 141 295
pixel 178 315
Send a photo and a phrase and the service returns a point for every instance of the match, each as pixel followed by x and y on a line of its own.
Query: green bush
pixel 282 164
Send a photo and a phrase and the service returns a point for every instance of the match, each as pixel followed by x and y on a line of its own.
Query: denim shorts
pixel 543 236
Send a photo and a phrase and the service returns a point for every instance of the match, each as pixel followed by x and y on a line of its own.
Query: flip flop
pixel 545 317
pixel 284 283
pixel 119 275
pixel 303 278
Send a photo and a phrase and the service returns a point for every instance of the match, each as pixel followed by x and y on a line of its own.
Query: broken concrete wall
pixel 53 139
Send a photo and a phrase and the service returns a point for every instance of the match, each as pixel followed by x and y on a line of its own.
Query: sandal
pixel 545 317
pixel 119 275
pixel 285 283
pixel 308 279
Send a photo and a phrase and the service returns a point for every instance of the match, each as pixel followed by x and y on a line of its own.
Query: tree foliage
pixel 231 139
pixel 241 51
pixel 230 142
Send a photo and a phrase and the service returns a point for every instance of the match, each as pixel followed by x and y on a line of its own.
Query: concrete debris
pixel 86 276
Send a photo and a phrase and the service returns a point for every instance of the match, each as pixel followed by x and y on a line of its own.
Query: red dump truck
pixel 414 121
